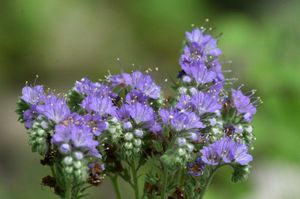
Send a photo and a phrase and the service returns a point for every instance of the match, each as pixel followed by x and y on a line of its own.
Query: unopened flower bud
pixel 68 160
pixel 182 90
pixel 44 125
pixel 138 133
pixel 193 90
pixel 249 129
pixel 127 125
pixel 128 136
pixel 78 155
pixel 137 142
pixel 69 170
pixel 190 147
pixel 128 145
pixel 65 148
pixel 181 141
pixel 187 79
pixel 41 132
pixel 77 164
pixel 181 152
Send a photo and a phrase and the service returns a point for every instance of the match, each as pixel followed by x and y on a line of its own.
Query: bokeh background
pixel 64 40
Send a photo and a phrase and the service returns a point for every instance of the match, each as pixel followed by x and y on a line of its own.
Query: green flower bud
pixel 137 142
pixel 68 160
pixel 77 164
pixel 181 151
pixel 128 145
pixel 128 136
pixel 69 170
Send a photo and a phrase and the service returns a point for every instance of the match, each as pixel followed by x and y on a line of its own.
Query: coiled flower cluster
pixel 113 127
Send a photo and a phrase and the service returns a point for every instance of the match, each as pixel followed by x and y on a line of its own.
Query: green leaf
pixel 22 106
pixel 74 100
pixel 240 173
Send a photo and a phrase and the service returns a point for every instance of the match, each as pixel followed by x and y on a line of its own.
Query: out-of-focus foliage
pixel 66 40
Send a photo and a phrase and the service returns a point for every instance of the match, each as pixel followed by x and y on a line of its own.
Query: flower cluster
pixel 116 126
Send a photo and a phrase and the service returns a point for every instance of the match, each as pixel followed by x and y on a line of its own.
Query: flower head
pixel 145 84
pixel 32 95
pixel 243 104
pixel 74 138
pixel 99 104
pixel 181 120
pixel 54 108
pixel 226 150
pixel 205 102
pixel 140 113
pixel 196 168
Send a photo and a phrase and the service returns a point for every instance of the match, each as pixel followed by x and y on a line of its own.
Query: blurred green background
pixel 64 40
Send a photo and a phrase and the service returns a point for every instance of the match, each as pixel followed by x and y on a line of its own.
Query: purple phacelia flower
pixel 145 84
pixel 136 96
pixel 87 87
pixel 243 104
pixel 94 122
pixel 196 168
pixel 184 102
pixel 73 138
pixel 210 155
pixel 240 154
pixel 123 80
pixel 200 73
pixel 140 113
pixel 226 151
pixel 205 102
pixel 32 95
pixel 207 42
pixel 181 120
pixel 29 116
pixel 99 104
pixel 54 108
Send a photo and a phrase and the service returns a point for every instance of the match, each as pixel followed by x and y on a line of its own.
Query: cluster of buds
pixel 39 136
pixel 133 142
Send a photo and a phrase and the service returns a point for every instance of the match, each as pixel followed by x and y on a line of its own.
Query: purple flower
pixel 184 102
pixel 99 104
pixel 54 108
pixel 94 122
pixel 207 42
pixel 87 87
pixel 240 154
pixel 29 116
pixel 32 95
pixel 205 102
pixel 226 150
pixel 200 73
pixel 210 155
pixel 243 104
pixel 140 113
pixel 123 79
pixel 145 84
pixel 181 120
pixel 72 138
pixel 196 168
pixel 136 96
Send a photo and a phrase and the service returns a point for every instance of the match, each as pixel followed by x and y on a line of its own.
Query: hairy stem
pixel 164 184
pixel 207 183
pixel 135 179
pixel 115 183
pixel 68 191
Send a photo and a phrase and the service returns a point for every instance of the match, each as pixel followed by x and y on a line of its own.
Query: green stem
pixel 115 184
pixel 164 185
pixel 207 183
pixel 135 179
pixel 68 191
